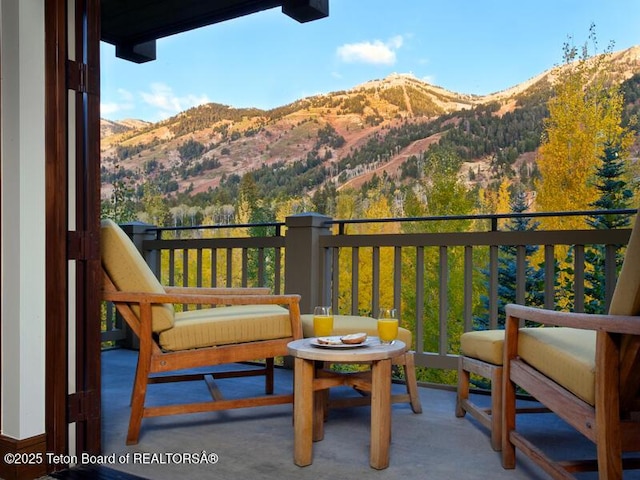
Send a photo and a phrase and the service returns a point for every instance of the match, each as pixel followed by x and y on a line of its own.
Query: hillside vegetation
pixel 318 146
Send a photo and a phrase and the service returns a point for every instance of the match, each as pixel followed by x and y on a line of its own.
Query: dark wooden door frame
pixel 56 188
pixel 81 76
pixel 85 244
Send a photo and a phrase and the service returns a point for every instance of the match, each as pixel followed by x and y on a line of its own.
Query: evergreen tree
pixel 507 264
pixel 614 195
pixel 614 191
pixel 261 214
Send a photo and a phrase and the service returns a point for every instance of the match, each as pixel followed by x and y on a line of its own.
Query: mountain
pixel 110 129
pixel 344 137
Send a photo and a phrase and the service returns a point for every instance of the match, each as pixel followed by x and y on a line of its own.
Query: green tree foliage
pixel 154 207
pixel 614 195
pixel 261 265
pixel 190 150
pixel 248 198
pixel 204 116
pixel 327 136
pixel 442 194
pixel 121 205
pixel 507 271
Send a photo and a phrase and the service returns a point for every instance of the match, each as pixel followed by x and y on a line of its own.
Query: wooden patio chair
pixel 239 325
pixel 592 380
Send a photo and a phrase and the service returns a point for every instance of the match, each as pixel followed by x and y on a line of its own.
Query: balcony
pixel 444 283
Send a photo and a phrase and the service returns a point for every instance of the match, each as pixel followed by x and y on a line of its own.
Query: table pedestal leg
pixel 303 413
pixel 380 413
pixel 320 401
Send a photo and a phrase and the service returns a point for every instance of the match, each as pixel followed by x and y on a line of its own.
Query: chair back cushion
pixel 130 273
pixel 626 296
pixel 626 301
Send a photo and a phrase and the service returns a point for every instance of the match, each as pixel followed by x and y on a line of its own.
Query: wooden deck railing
pixel 434 279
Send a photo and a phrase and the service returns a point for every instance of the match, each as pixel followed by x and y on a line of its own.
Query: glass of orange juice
pixel 387 325
pixel 322 321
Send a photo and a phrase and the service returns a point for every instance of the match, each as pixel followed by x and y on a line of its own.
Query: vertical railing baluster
pixel 245 267
pixel 335 277
pixel 610 273
pixel 493 286
pixel 420 299
pixel 185 272
pixel 397 280
pixel 229 267
pixel 185 267
pixel 375 281
pixel 468 288
pixel 172 267
pixel 277 270
pixel 214 267
pixel 549 277
pixel 199 267
pixel 521 274
pixel 578 278
pixel 443 300
pixel 277 264
pixel 355 277
pixel 199 271
pixel 261 270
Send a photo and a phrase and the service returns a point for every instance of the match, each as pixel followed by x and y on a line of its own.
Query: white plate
pixel 314 341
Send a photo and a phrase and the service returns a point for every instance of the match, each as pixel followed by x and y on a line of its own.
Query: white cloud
pixel 108 109
pixel 124 103
pixel 162 97
pixel 376 52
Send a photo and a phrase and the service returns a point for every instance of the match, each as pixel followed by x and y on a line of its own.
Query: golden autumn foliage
pixel 585 114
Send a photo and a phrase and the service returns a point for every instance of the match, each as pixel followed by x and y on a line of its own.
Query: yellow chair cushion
pixel 485 345
pixel 226 325
pixel 129 272
pixel 346 324
pixel 566 355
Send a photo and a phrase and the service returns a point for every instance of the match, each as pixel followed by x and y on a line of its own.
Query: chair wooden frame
pixel 489 417
pixel 612 424
pixel 153 360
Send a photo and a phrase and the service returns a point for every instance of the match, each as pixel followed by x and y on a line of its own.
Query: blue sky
pixel 267 59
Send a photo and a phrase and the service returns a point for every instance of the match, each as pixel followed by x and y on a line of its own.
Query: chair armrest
pixel 199 299
pixel 218 290
pixel 587 321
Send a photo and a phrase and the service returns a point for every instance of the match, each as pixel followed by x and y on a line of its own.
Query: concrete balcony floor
pixel 257 443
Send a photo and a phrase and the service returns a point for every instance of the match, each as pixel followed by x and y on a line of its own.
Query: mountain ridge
pixel 198 149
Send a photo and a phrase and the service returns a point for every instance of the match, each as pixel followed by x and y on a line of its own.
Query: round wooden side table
pixel 311 385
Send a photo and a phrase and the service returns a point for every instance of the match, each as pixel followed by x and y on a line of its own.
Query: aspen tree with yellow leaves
pixel 585 114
